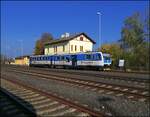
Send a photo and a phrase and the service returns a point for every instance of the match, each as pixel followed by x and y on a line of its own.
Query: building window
pixel 63 48
pixel 81 38
pixel 75 48
pixel 71 47
pixel 81 48
pixel 56 48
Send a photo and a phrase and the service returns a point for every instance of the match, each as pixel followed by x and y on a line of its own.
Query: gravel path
pixel 118 106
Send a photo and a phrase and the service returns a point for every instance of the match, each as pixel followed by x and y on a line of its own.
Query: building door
pixel 74 60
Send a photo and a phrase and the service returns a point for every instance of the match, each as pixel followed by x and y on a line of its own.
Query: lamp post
pixel 99 23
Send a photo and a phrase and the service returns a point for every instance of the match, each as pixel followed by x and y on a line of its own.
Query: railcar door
pixel 51 60
pixel 74 60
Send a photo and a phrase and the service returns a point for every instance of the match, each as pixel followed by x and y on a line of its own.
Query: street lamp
pixel 99 23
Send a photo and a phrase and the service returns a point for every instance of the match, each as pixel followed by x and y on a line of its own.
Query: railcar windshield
pixel 107 58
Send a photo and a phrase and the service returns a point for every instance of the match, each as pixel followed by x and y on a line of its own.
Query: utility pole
pixel 99 31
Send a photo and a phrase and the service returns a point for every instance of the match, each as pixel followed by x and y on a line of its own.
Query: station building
pixel 22 60
pixel 69 44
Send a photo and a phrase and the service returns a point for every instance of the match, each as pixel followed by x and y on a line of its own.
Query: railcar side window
pixel 93 57
pixel 99 56
pixel 88 56
pixel 62 58
pixel 58 57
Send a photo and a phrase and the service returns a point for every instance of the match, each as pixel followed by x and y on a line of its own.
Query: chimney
pixel 67 34
pixel 62 36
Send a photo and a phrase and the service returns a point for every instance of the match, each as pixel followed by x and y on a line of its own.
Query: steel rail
pixel 119 71
pixel 85 80
pixel 124 78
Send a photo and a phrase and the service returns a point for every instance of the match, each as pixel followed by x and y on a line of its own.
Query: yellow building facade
pixel 69 44
pixel 22 60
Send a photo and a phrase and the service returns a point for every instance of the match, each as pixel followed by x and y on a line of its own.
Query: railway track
pixel 109 71
pixel 138 94
pixel 44 103
pixel 140 81
pixel 10 107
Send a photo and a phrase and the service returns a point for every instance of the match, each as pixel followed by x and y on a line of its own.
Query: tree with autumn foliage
pixel 134 45
pixel 39 46
pixel 135 41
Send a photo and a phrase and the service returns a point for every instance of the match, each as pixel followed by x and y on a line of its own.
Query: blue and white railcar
pixel 90 59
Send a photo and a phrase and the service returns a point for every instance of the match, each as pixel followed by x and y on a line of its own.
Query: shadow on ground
pixel 104 105
pixel 3 112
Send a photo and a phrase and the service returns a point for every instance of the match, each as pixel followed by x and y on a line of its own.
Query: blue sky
pixel 26 21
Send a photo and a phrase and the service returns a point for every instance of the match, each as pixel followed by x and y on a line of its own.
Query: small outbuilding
pixel 22 60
